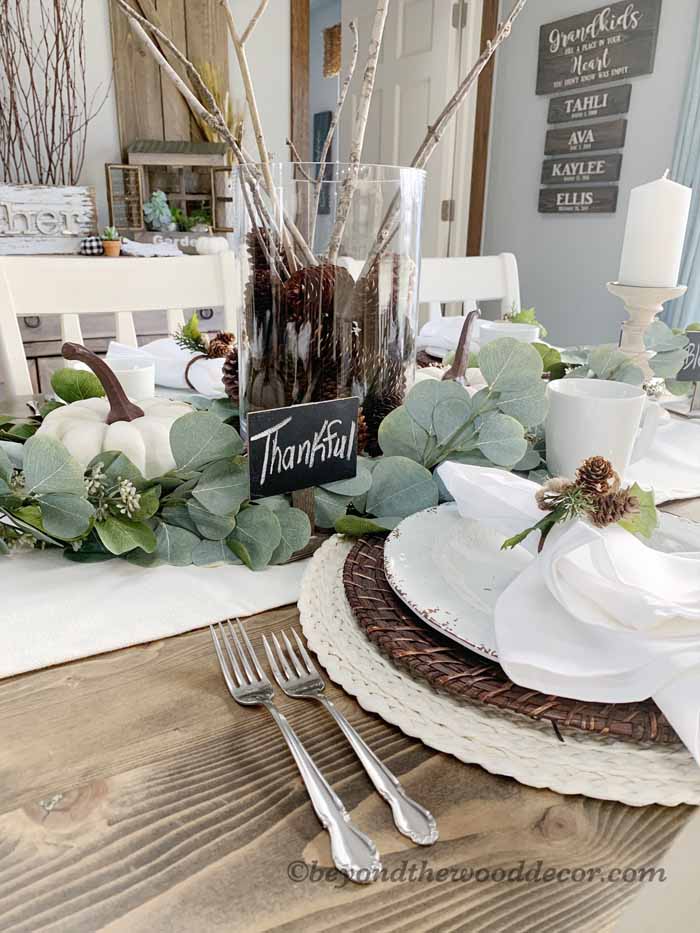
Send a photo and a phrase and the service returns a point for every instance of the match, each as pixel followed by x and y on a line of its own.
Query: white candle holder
pixel 642 305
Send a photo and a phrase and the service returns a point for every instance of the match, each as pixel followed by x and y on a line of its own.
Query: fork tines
pixel 289 659
pixel 244 676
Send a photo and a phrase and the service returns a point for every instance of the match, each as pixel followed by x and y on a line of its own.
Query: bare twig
pixel 296 158
pixel 332 128
pixel 45 108
pixel 359 129
pixel 253 21
pixel 436 129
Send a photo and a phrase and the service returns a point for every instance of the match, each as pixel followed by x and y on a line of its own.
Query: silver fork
pixel 354 854
pixel 410 818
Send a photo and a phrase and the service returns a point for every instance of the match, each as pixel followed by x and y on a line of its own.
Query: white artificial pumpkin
pixel 211 245
pixel 82 428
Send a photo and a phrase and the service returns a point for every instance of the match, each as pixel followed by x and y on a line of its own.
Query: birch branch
pixel 332 128
pixel 253 22
pixel 244 67
pixel 359 129
pixel 436 130
pixel 296 158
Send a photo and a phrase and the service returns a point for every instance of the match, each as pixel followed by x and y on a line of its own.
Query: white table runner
pixel 52 610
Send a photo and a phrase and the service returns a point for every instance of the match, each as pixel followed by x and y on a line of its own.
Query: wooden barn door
pixel 148 104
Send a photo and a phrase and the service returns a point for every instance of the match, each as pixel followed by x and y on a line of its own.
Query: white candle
pixel 656 223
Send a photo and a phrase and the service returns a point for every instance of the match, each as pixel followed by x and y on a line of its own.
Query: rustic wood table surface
pixel 135 796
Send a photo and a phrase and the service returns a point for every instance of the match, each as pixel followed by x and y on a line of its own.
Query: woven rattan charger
pixel 415 647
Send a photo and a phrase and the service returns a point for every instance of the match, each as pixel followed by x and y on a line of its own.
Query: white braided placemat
pixel 502 743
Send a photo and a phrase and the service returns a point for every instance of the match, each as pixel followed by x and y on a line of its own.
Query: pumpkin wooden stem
pixel 121 409
pixel 458 371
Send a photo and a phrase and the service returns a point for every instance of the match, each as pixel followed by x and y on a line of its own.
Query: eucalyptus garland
pixel 201 512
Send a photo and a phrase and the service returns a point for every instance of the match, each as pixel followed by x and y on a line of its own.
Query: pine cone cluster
pixel 614 507
pixel 597 477
pixel 321 335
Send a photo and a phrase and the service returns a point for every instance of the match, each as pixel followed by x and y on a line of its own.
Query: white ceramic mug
pixel 492 330
pixel 596 417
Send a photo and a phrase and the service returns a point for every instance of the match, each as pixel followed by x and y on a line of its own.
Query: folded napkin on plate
pixel 672 466
pixel 599 615
pixel 171 361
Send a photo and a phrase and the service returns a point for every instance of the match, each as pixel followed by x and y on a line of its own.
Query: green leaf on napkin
pixel 645 522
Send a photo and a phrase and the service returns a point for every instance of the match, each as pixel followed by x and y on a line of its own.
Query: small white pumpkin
pixel 82 428
pixel 97 425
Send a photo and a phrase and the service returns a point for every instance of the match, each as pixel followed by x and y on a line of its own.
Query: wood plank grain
pixel 300 134
pixel 207 40
pixel 137 82
pixel 176 113
pixel 135 796
pixel 482 132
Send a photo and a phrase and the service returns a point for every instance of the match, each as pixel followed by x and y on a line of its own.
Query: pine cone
pixel 597 477
pixel 221 345
pixel 229 375
pixel 362 433
pixel 614 507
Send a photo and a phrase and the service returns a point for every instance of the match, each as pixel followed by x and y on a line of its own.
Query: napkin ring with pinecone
pixel 595 494
pixel 204 347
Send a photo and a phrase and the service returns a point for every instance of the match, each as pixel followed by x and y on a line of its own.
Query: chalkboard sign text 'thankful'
pixel 302 446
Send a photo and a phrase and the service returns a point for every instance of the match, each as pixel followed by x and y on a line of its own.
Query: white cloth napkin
pixel 598 615
pixel 54 611
pixel 672 466
pixel 170 361
pixel 440 336
pixel 148 250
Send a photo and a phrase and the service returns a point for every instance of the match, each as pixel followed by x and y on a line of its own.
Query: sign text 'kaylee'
pixel 302 446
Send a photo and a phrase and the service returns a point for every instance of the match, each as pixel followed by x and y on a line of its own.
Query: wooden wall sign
pixel 609 43
pixel 607 102
pixel 594 200
pixel 38 219
pixel 302 446
pixel 586 137
pixel 582 169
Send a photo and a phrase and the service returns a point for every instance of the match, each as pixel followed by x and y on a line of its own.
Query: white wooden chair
pixel 464 279
pixel 470 279
pixel 73 285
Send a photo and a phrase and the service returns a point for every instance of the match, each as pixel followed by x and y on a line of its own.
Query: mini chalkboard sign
pixel 588 137
pixel 302 446
pixel 690 371
pixel 581 169
pixel 609 43
pixel 600 199
pixel 586 105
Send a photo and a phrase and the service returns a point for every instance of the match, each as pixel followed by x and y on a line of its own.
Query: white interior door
pixel 428 45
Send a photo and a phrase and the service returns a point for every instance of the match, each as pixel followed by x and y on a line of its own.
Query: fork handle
pixel 410 818
pixel 353 852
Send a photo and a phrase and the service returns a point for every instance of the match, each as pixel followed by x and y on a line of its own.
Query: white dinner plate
pixel 450 571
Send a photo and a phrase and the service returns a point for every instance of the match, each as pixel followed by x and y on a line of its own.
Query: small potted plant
pixel 111 241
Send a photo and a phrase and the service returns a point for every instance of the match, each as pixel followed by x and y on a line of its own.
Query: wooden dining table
pixel 136 796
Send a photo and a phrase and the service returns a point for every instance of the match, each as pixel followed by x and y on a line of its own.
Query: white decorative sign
pixel 45 219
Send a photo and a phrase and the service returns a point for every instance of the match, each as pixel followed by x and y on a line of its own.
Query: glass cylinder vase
pixel 329 263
